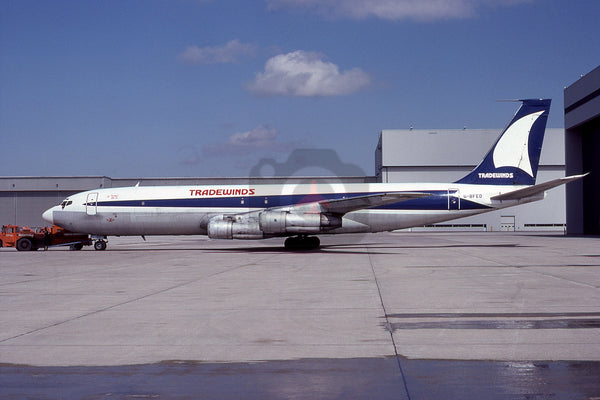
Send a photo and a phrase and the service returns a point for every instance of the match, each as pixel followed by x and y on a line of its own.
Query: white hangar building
pixel 446 155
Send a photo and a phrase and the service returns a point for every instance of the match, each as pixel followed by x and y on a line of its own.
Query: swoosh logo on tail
pixel 512 150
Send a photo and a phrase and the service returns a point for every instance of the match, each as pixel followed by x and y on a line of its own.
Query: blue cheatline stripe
pixel 437 201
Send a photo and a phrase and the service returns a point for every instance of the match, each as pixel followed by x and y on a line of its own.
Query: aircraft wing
pixel 536 189
pixel 343 206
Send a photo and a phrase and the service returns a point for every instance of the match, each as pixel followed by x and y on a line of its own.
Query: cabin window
pixel 66 202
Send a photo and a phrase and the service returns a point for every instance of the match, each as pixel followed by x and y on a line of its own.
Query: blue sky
pixel 157 88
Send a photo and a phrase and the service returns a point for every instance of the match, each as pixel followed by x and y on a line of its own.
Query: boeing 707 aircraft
pixel 504 178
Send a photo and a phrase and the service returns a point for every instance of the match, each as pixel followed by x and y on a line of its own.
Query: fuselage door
pixel 453 199
pixel 91 203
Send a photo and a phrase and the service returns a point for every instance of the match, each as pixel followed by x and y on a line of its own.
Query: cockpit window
pixel 66 202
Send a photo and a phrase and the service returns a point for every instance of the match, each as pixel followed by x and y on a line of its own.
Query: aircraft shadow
pixel 361 248
pixel 357 248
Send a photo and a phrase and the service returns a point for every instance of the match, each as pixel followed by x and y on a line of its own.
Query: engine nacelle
pixel 277 222
pixel 269 224
pixel 230 229
pixel 220 229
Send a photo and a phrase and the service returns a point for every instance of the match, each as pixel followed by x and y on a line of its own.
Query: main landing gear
pixel 302 242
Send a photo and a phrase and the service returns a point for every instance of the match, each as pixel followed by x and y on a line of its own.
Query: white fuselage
pixel 187 210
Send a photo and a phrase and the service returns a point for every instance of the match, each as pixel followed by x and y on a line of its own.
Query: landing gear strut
pixel 302 242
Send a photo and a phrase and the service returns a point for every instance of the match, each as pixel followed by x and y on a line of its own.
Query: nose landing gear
pixel 100 243
pixel 302 242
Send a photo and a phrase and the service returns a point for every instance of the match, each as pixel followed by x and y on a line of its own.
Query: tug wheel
pixel 24 244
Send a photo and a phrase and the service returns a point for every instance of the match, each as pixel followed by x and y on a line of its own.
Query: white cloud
pixel 302 73
pixel 227 53
pixel 393 9
pixel 243 143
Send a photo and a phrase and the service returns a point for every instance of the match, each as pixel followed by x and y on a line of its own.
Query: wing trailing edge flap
pixel 343 206
pixel 537 189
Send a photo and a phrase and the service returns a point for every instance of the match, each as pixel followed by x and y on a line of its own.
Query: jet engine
pixel 271 223
pixel 277 222
pixel 229 228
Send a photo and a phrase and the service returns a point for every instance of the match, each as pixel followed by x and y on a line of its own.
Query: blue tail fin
pixel 514 158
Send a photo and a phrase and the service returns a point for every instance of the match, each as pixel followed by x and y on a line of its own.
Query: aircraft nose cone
pixel 48 215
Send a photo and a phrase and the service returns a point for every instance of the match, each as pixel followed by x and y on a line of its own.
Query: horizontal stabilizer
pixel 537 189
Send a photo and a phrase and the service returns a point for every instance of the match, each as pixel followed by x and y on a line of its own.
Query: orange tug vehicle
pixel 25 239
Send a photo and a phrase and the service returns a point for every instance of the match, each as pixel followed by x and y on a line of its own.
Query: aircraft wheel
pixel 24 244
pixel 76 246
pixel 289 243
pixel 314 242
pixel 302 243
pixel 100 245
